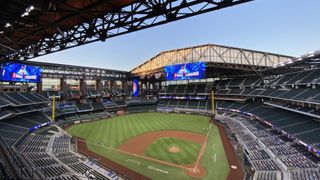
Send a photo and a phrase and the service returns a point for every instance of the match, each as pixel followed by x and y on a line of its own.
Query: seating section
pixel 120 103
pixel 17 98
pixel 50 94
pixel 264 154
pixel 4 171
pixel 235 83
pixel 239 83
pixel 21 99
pixel 251 82
pixel 9 133
pixel 140 101
pixel 69 109
pixel 259 158
pixel 141 108
pixel 187 105
pixel 190 89
pixel 118 92
pixel 14 104
pixel 293 87
pixel 45 154
pixel 97 106
pixel 305 174
pixel 301 126
pixel 110 104
pixel 266 175
pixel 3 102
pixel 297 78
pixel 27 121
pixel 93 93
pixel 74 94
pixel 5 113
pixel 27 109
pixel 84 107
pixel 300 94
pixel 58 112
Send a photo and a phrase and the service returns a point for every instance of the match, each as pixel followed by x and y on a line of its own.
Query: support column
pixel 111 82
pixel 160 85
pixel 98 85
pixel 83 87
pixel 124 85
pixel 39 87
pixel 140 86
pixel 63 85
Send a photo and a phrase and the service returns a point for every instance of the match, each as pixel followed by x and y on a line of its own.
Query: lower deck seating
pixel 50 156
pixel 188 104
pixel 265 160
pixel 141 108
pixel 84 107
pixel 4 172
pixel 305 174
pixel 302 126
pixel 3 102
pixel 97 106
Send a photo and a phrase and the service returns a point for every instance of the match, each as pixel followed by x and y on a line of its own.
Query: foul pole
pixel 53 108
pixel 212 103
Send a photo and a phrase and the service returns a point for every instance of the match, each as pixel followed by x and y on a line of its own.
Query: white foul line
pixel 203 148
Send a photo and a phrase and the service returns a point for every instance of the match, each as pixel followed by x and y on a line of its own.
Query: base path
pixel 234 174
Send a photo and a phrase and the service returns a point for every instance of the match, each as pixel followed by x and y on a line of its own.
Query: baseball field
pixel 157 145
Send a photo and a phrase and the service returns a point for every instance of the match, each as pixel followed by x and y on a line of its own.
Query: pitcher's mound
pixel 174 149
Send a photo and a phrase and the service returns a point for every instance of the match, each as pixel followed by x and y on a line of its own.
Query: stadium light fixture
pixel 310 54
pixel 27 11
pixel 7 25
pixel 25 14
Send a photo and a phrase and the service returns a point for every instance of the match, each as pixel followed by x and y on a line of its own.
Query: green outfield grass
pixel 114 131
pixel 187 154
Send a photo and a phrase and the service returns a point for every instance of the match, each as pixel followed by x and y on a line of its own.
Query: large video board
pixel 17 72
pixel 185 71
pixel 135 87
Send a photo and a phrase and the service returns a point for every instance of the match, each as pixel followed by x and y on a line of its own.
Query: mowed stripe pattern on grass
pixel 187 151
pixel 113 132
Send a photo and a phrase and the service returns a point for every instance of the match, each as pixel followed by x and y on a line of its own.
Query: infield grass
pixel 114 131
pixel 187 153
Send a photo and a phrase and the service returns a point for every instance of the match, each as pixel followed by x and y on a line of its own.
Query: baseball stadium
pixel 207 111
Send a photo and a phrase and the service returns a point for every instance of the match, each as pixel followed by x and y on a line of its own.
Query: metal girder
pixel 229 57
pixel 57 71
pixel 307 61
pixel 137 16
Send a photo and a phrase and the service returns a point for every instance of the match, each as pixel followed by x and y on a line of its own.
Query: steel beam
pixel 140 15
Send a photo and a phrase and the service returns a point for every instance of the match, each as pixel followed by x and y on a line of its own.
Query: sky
pixel 288 27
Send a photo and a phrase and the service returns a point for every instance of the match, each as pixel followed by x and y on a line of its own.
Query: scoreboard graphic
pixel 135 87
pixel 185 71
pixel 17 72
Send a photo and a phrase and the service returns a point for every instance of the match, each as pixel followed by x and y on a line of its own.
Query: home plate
pixel 234 167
